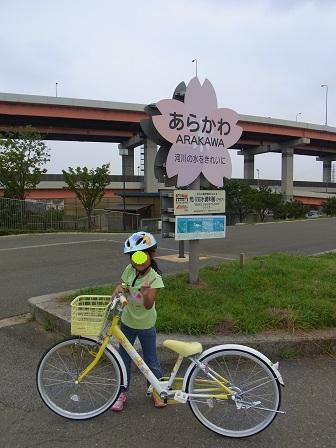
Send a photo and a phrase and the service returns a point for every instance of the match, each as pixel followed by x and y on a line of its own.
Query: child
pixel 143 281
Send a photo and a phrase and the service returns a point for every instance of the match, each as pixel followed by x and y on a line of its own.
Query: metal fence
pixel 114 221
pixel 152 225
pixel 28 215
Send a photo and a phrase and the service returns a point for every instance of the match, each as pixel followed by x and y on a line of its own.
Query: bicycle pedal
pixel 149 392
pixel 181 397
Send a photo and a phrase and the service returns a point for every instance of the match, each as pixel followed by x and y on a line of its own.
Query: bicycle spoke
pixel 255 388
pixel 60 367
pixel 259 385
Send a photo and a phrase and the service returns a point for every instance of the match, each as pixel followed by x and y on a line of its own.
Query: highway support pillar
pixel 129 163
pixel 151 184
pixel 327 167
pixel 248 166
pixel 287 173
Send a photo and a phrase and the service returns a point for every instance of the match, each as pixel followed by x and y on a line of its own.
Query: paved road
pixel 32 265
pixel 309 399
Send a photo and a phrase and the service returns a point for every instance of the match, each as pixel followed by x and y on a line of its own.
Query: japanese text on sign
pixel 192 202
pixel 194 125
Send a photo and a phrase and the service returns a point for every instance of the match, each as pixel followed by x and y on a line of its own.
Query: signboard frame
pixel 186 227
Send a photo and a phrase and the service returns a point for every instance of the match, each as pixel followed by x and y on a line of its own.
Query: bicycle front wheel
pixel 255 399
pixel 58 370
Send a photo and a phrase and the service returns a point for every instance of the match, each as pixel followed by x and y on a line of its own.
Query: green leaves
pixel 22 157
pixel 290 210
pixel 238 198
pixel 241 199
pixel 329 207
pixel 88 185
pixel 263 199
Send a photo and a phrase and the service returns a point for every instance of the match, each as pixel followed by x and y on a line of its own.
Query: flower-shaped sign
pixel 200 134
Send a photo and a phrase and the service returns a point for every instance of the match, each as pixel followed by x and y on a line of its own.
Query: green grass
pixel 269 293
pixel 50 326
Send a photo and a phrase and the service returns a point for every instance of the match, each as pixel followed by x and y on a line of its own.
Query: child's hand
pixel 144 288
pixel 119 290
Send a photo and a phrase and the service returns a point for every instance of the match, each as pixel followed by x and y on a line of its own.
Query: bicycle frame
pixel 216 383
pixel 233 390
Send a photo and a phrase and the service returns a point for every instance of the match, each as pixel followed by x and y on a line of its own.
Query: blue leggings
pixel 147 340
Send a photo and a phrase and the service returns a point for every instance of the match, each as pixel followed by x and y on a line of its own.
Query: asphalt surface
pixel 34 265
pixel 309 399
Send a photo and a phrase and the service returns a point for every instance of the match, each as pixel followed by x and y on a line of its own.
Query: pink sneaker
pixel 120 403
pixel 159 403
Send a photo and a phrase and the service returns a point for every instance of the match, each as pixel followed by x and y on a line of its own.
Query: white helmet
pixel 139 241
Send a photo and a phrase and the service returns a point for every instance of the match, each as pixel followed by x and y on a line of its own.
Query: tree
pixel 280 211
pixel 88 185
pixel 296 209
pixel 329 207
pixel 22 156
pixel 290 209
pixel 263 199
pixel 237 198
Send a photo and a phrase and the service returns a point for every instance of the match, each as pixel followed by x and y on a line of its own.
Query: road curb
pixel 54 313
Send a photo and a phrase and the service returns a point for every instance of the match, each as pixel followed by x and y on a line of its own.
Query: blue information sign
pixel 200 227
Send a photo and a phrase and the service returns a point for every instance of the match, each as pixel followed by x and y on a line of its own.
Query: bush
pixel 329 207
pixel 296 209
pixel 290 210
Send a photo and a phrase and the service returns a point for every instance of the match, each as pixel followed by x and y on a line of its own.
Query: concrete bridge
pixel 70 119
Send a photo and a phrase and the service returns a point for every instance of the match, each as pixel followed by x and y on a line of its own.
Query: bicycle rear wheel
pixel 59 368
pixel 256 394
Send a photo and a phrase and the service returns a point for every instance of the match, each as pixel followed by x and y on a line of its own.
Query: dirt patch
pixel 201 285
pixel 286 318
pixel 226 327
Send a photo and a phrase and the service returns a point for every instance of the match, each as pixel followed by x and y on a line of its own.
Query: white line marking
pixel 37 246
pixel 222 258
pixel 172 250
pixel 331 251
pixel 187 253
pixel 50 244
pixel 115 241
pixel 159 248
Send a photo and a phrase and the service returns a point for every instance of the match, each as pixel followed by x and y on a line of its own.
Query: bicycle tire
pixel 60 366
pixel 259 385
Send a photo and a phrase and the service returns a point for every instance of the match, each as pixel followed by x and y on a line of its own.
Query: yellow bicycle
pixel 232 389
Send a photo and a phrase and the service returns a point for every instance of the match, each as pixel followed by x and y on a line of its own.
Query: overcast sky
pixel 264 57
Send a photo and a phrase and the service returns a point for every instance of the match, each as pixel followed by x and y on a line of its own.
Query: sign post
pixel 194 135
pixel 194 247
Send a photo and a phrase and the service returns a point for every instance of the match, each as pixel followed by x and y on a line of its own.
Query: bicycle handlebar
pixel 120 298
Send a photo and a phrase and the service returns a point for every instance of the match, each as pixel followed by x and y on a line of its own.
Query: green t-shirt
pixel 135 314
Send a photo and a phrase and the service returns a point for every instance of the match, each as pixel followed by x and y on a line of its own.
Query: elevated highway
pixel 70 119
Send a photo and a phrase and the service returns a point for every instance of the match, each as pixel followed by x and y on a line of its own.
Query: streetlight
pixel 123 152
pixel 56 88
pixel 195 60
pixel 258 172
pixel 296 118
pixel 326 104
pixel 138 170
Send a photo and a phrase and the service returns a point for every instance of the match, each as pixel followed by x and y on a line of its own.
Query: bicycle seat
pixel 183 348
